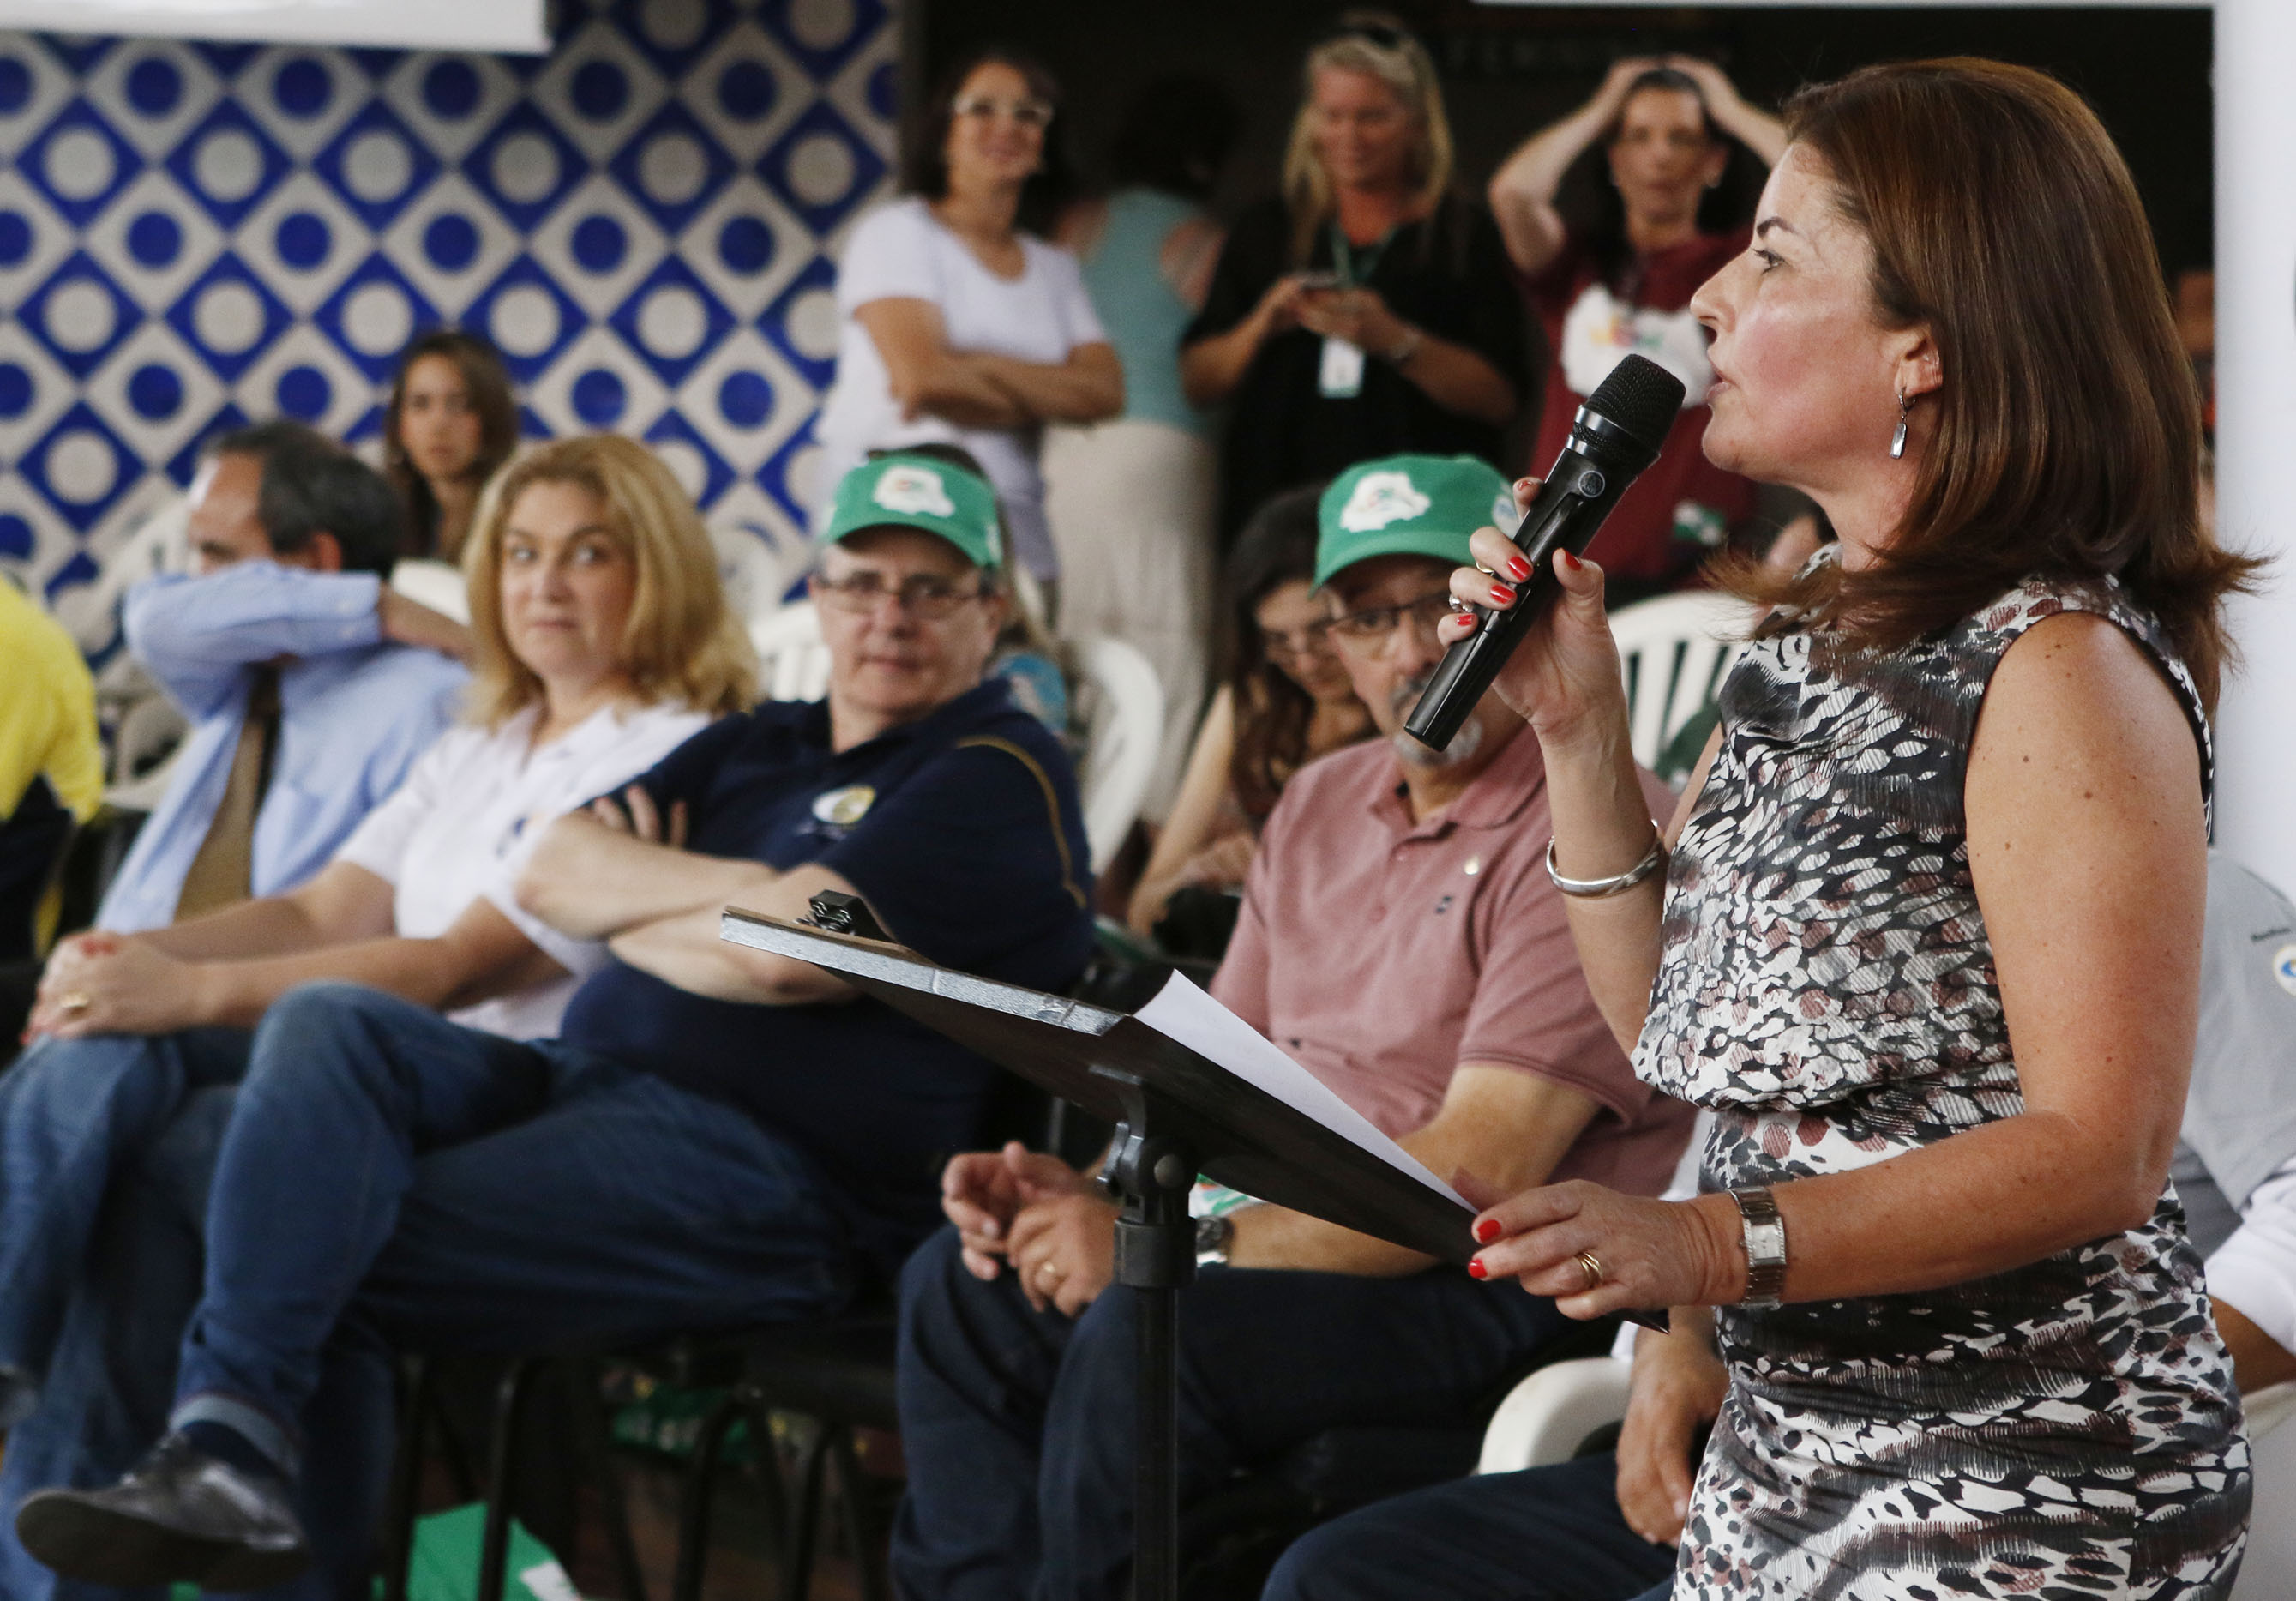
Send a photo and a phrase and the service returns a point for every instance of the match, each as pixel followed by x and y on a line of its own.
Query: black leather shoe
pixel 182 1517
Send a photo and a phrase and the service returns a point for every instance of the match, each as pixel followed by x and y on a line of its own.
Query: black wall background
pixel 1508 70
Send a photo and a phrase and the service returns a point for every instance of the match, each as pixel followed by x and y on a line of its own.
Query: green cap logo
pixel 905 491
pixel 905 487
pixel 1409 506
pixel 1381 499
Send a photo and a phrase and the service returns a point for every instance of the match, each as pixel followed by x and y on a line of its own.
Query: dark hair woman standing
pixel 1929 940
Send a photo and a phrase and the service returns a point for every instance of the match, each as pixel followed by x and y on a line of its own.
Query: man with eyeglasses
pixel 1401 939
pixel 716 1137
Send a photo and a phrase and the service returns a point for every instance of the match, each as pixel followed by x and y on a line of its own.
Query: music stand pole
pixel 1151 1173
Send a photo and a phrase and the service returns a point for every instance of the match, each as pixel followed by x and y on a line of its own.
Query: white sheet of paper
pixel 1184 1012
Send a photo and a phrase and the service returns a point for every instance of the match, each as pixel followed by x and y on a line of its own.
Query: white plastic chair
pixel 1122 719
pixel 152 726
pixel 755 568
pixel 160 542
pixel 792 662
pixel 1674 651
pixel 1552 1412
pixel 436 584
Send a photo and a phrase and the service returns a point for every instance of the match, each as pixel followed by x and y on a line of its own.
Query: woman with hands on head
pixel 1621 284
pixel 961 326
pixel 1366 310
pixel 1924 931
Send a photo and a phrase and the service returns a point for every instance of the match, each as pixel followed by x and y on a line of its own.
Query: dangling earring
pixel 1897 439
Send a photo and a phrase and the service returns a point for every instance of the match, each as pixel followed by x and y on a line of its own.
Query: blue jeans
pixel 388 1179
pixel 1544 1534
pixel 1018 1425
pixel 71 1111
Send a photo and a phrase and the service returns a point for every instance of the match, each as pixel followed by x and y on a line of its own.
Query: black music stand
pixel 1178 1113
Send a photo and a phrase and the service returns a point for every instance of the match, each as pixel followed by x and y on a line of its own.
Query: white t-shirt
pixel 902 252
pixel 462 824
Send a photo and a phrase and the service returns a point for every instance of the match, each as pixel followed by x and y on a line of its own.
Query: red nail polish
pixel 1518 569
pixel 1568 560
pixel 1475 1270
pixel 1487 1230
pixel 1503 595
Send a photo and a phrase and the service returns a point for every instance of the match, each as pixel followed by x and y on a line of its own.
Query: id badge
pixel 1341 374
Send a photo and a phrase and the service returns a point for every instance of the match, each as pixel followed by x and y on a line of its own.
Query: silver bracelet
pixel 1599 889
pixel 1407 347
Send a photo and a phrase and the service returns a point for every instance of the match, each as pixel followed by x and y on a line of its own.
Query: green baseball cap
pixel 904 489
pixel 1411 505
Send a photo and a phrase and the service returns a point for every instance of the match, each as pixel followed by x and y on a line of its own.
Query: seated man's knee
pixel 321 1017
pixel 59 1072
pixel 1299 1572
pixel 329 1040
pixel 935 1279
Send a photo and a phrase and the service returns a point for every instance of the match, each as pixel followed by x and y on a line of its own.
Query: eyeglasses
pixel 1369 629
pixel 923 596
pixel 1294 645
pixel 1027 113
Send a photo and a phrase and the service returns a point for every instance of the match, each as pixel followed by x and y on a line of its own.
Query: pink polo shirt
pixel 1383 953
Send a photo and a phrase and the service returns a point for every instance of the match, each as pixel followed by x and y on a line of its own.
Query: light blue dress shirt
pixel 354 713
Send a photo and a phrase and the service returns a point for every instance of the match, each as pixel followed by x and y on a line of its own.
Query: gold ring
pixel 1048 1274
pixel 74 1000
pixel 1591 1266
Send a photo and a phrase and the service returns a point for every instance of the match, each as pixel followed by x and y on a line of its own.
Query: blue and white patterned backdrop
pixel 645 221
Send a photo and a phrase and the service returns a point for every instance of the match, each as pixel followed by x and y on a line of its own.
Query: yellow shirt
pixel 47 710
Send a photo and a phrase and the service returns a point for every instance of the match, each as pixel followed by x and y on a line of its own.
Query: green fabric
pixel 445 1565
pixel 902 489
pixel 1415 506
pixel 1144 317
pixel 667 1418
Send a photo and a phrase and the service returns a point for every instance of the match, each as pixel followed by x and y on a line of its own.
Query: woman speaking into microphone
pixel 1926 930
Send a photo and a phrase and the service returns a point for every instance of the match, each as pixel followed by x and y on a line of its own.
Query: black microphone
pixel 1616 435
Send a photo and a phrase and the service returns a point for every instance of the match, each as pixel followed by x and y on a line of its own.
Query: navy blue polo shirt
pixel 964 832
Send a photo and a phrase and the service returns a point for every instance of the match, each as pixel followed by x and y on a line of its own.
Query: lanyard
pixel 1343 256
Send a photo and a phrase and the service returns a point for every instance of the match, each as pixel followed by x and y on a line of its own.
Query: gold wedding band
pixel 74 1000
pixel 1591 1266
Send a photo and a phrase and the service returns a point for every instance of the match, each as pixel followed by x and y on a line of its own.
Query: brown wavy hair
pixel 488 383
pixel 2068 427
pixel 1273 714
pixel 682 643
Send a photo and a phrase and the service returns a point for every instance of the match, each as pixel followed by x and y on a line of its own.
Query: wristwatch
pixel 1765 1246
pixel 1214 1236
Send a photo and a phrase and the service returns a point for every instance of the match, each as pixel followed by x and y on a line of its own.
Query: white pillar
pixel 2256 426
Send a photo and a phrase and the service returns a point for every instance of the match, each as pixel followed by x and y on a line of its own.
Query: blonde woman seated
pixel 602 641
pixel 1285 701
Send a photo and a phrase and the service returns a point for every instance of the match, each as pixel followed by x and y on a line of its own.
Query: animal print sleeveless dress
pixel 2067 1430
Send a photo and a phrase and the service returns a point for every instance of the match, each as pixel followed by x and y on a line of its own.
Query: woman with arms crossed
pixel 960 328
pixel 1928 942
